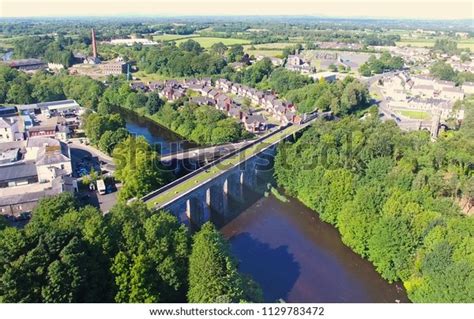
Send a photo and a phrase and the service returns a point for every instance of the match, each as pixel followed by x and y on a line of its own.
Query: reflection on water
pixel 164 139
pixel 285 247
pixel 295 256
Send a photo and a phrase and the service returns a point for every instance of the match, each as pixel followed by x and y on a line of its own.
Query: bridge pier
pixel 216 199
pixel 248 176
pixel 233 187
pixel 197 212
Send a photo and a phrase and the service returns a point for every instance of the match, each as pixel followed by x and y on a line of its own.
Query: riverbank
pixel 201 125
pixel 154 132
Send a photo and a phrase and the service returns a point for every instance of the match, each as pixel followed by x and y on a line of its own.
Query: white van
pixel 101 187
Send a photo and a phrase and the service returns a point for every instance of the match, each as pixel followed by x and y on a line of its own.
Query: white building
pixel 8 130
pixel 131 42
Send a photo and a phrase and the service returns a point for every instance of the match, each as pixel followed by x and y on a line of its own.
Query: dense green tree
pixel 154 103
pixel 191 46
pixel 219 48
pixel 443 71
pixel 390 193
pixel 96 125
pixel 213 275
pixel 137 166
pixel 110 139
pixel 235 53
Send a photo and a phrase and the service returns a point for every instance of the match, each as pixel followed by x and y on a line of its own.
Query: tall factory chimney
pixel 94 46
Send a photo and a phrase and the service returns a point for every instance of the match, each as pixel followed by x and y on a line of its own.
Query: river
pixel 166 140
pixel 295 256
pixel 285 247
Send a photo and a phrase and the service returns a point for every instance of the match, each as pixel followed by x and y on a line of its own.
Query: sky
pixel 410 9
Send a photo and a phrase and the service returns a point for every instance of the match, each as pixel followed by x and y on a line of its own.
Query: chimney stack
pixel 94 46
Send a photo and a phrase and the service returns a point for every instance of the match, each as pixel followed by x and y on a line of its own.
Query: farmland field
pixel 207 42
pixel 172 37
pixel 462 44
pixel 146 77
pixel 263 52
pixel 273 45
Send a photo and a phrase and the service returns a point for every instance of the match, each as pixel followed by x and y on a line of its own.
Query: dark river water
pixel 295 256
pixel 285 247
pixel 164 139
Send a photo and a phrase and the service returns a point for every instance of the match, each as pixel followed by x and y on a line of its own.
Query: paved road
pixel 94 152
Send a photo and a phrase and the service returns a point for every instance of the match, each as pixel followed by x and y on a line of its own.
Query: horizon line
pixel 213 15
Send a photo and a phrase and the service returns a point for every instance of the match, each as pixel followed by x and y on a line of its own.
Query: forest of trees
pixel 201 124
pixel 395 198
pixel 187 59
pixel 341 97
pixel 68 253
pixel 17 87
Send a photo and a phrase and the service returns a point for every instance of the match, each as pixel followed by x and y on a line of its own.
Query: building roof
pixel 17 171
pixel 58 185
pixel 49 105
pixel 452 89
pixel 255 118
pixel 42 128
pixel 49 155
pixel 25 62
pixel 423 87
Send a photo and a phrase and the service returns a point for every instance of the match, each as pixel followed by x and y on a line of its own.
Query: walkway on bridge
pixel 206 152
pixel 182 186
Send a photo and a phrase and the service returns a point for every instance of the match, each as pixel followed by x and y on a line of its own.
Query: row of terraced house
pixel 283 111
pixel 219 97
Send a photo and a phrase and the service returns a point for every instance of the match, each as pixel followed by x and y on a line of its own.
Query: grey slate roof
pixel 17 171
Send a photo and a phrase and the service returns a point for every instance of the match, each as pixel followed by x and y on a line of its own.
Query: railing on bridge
pixel 207 166
pixel 165 188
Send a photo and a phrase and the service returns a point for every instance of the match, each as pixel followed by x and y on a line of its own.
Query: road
pixel 109 162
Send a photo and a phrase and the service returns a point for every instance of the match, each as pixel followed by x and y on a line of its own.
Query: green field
pixel 462 44
pixel 416 115
pixel 183 187
pixel 272 46
pixel 172 37
pixel 207 42
pixel 266 53
pixel 146 77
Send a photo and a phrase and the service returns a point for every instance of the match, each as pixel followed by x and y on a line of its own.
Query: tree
pixel 213 275
pixel 137 166
pixel 47 262
pixel 191 46
pixel 219 48
pixel 96 125
pixel 19 92
pixel 443 71
pixel 364 70
pixel 152 262
pixel 110 139
pixel 235 53
pixel 154 103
